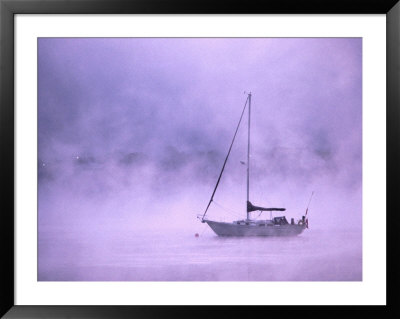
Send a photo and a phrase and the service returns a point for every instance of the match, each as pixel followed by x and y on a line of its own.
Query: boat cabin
pixel 276 221
pixel 254 222
pixel 280 220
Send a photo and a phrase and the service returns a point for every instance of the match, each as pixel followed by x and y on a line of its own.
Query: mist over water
pixel 157 243
pixel 132 137
pixel 104 254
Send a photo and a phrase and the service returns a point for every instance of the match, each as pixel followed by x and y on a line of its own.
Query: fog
pixel 133 134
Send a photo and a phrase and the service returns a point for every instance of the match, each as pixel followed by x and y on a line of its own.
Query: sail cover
pixel 251 208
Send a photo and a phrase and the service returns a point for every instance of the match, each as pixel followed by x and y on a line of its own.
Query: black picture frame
pixel 8 8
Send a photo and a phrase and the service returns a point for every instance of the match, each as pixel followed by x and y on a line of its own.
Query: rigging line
pixel 310 199
pixel 226 159
pixel 309 202
pixel 227 209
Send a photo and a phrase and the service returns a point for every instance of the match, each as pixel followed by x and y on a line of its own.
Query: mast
pixel 226 159
pixel 248 156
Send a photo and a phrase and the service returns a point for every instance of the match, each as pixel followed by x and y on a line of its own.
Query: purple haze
pixel 133 133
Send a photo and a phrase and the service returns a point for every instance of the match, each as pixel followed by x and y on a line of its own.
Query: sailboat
pixel 277 226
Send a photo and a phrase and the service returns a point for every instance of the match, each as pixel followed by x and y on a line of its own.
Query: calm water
pixel 110 255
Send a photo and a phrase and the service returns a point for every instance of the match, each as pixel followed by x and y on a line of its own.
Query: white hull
pixel 231 229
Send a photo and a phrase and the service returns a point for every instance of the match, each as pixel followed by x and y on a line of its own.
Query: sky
pixel 137 129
